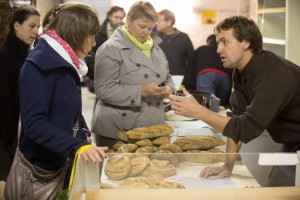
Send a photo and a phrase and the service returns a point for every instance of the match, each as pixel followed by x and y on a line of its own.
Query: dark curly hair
pixel 243 29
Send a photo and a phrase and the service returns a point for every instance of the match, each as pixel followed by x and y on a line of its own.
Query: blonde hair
pixel 142 9
pixel 74 22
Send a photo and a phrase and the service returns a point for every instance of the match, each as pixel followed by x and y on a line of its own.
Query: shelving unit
pixel 272 23
pixel 279 24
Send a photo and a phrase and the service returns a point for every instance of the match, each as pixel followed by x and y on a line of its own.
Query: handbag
pixel 27 181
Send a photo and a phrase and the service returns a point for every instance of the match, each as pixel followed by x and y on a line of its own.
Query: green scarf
pixel 145 47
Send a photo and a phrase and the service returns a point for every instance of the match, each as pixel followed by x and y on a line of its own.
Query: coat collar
pixel 137 56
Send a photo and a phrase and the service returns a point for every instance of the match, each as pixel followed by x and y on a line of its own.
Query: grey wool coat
pixel 120 71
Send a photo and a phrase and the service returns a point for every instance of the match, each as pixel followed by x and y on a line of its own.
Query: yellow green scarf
pixel 145 47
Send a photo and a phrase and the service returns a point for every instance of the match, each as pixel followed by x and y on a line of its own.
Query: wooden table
pixel 266 193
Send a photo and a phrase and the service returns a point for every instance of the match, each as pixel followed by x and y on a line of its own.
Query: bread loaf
pixel 163 166
pixel 199 142
pixel 150 132
pixel 117 145
pixel 128 148
pixel 117 167
pixel 166 155
pixel 149 183
pixel 144 142
pixel 146 150
pixel 161 140
pixel 171 147
pixel 138 165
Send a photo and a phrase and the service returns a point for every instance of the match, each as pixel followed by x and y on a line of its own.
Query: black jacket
pixel 12 56
pixel 101 37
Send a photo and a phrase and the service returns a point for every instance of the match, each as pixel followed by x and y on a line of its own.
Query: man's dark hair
pixel 211 39
pixel 114 9
pixel 168 15
pixel 243 29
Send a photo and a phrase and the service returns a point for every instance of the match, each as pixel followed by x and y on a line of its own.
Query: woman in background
pixel 24 22
pixel 129 70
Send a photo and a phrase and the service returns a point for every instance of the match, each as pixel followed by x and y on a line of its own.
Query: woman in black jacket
pixel 23 29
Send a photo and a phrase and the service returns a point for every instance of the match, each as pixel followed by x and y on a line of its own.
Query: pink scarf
pixel 65 45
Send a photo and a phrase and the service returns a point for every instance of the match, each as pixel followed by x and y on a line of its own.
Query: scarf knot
pixel 145 47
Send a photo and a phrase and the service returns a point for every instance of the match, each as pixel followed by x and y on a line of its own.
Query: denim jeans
pixel 215 83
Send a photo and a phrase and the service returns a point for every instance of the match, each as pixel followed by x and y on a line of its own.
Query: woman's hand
pixel 95 154
pixel 166 92
pixel 151 89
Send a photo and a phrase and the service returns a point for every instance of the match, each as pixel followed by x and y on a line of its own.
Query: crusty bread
pixel 128 148
pixel 117 145
pixel 143 142
pixel 146 150
pixel 161 140
pixel 166 155
pixel 171 147
pixel 150 132
pixel 149 183
pixel 163 166
pixel 117 167
pixel 199 142
pixel 138 165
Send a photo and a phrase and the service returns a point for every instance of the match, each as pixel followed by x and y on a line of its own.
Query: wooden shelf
pixel 274 41
pixel 272 10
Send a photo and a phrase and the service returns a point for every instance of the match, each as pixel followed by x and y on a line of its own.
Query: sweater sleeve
pixel 253 112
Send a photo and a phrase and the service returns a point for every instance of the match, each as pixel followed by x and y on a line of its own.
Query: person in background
pixel 51 94
pixel 177 47
pixel 129 67
pixel 212 77
pixel 114 18
pixel 266 95
pixel 24 22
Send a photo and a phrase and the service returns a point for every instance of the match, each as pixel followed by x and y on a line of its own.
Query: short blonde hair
pixel 142 9
pixel 74 22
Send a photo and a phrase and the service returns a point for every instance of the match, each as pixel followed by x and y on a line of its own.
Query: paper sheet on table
pixel 211 182
pixel 278 159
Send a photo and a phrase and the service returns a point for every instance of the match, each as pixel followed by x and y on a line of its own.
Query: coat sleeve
pixel 36 91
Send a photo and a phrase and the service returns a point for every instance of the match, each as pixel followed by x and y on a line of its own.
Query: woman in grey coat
pixel 129 70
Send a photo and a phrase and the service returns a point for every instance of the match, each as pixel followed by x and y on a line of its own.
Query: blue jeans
pixel 217 84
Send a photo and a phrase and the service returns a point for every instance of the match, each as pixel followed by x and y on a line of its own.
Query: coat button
pixel 138 65
pixel 157 75
pixel 132 101
pixel 157 103
pixel 149 104
pixel 123 114
pixel 146 75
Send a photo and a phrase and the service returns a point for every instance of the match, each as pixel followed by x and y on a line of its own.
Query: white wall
pixel 188 14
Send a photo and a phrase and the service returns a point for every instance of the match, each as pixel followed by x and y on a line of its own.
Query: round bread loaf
pixel 163 166
pixel 117 167
pixel 138 165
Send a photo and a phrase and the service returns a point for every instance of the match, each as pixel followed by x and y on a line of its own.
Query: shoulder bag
pixel 26 181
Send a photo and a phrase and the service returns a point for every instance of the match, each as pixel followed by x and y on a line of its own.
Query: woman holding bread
pixel 130 68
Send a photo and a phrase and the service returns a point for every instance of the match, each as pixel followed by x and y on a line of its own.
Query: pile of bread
pixel 140 171
pixel 121 166
pixel 151 139
pixel 144 156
